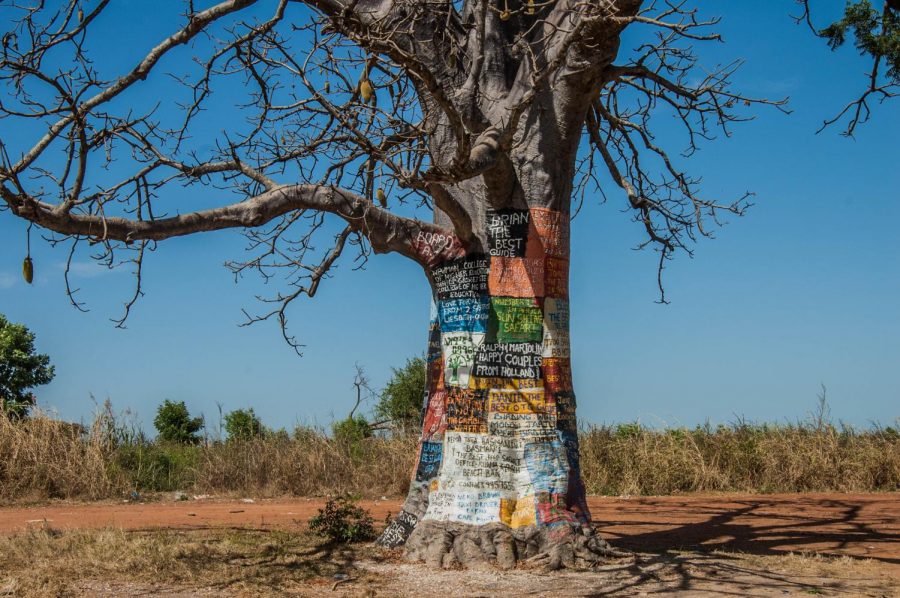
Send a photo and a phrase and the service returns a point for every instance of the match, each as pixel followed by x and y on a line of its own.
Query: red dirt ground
pixel 856 525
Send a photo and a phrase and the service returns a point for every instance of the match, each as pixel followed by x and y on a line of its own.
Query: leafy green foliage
pixel 21 369
pixel 401 400
pixel 876 33
pixel 242 424
pixel 628 430
pixel 352 429
pixel 174 423
pixel 343 521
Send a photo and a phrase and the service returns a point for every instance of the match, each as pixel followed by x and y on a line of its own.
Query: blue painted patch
pixel 464 315
pixel 547 467
pixel 569 442
pixel 429 461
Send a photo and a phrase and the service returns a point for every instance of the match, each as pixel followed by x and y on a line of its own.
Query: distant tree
pixel 401 400
pixel 174 423
pixel 242 424
pixel 352 429
pixel 21 368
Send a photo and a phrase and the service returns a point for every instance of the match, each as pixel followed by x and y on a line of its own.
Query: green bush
pixel 343 521
pixel 154 467
pixel 351 430
pixel 242 424
pixel 629 430
pixel 174 423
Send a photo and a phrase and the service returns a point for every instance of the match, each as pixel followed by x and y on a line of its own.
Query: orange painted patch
pixel 516 277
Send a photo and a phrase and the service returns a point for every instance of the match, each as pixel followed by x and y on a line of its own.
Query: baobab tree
pixel 461 135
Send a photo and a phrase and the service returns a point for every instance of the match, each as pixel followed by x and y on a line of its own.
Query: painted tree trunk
pixel 499 450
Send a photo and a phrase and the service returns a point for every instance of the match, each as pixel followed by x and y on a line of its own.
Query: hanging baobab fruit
pixel 28 269
pixel 27 264
pixel 366 90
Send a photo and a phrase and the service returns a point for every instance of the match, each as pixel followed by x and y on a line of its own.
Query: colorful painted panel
pixel 464 315
pixel 556 327
pixel 462 278
pixel 516 277
pixel 429 461
pixel 507 232
pixel 459 350
pixel 508 360
pixel 519 320
pixel 548 234
pixel 466 411
pixel 557 375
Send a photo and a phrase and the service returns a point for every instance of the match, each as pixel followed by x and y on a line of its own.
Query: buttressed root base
pixel 443 544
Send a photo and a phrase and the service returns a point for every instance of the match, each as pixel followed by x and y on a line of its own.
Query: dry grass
pixel 307 464
pixel 43 458
pixel 629 459
pixel 243 562
pixel 111 562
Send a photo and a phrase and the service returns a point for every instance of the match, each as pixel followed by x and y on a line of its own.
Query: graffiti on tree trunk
pixel 499 441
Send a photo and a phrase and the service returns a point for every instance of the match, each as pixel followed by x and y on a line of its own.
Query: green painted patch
pixel 517 320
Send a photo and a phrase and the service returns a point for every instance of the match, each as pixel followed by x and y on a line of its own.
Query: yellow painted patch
pixel 477 383
pixel 517 512
pixel 526 400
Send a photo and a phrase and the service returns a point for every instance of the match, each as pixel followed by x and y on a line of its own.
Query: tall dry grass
pixel 742 457
pixel 43 458
pixel 307 464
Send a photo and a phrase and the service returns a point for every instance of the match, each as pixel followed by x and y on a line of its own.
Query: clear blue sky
pixel 803 291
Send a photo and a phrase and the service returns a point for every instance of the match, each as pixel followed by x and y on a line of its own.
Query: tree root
pixel 564 545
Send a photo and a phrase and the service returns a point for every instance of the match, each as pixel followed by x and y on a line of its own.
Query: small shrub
pixel 343 521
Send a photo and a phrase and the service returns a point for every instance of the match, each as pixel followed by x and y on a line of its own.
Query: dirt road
pixel 855 525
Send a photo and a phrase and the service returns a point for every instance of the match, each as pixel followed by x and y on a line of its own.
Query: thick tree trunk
pixel 498 476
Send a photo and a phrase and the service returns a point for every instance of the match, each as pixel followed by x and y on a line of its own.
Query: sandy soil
pixel 688 575
pixel 739 545
pixel 855 525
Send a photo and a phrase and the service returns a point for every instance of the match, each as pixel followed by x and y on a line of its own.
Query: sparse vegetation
pixel 341 520
pixel 248 562
pixel 44 458
pixel 235 562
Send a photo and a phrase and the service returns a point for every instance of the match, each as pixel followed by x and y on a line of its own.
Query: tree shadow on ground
pixel 760 526
pixel 715 574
